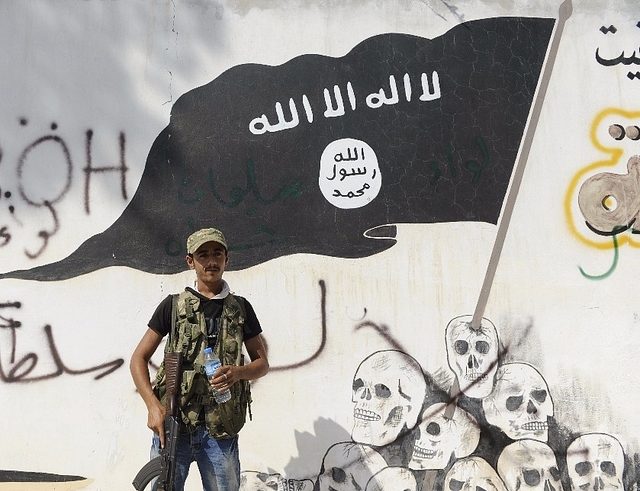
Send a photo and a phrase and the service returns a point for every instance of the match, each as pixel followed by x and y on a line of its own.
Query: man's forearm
pixel 259 365
pixel 140 374
pixel 254 370
pixel 139 366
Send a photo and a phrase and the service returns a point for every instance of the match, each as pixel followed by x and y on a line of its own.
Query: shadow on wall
pixel 39 481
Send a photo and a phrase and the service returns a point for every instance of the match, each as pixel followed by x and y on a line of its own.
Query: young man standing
pixel 207 316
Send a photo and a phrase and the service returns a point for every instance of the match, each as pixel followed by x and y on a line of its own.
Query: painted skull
pixel 348 467
pixel 529 465
pixel 389 389
pixel 595 462
pixel 443 436
pixel 472 474
pixel 472 354
pixel 261 481
pixel 393 478
pixel 520 404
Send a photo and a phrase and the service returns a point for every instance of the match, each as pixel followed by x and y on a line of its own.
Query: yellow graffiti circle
pixel 615 154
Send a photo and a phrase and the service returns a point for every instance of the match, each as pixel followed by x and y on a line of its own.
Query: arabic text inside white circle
pixel 349 173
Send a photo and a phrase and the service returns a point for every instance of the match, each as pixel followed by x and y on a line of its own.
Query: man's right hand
pixel 155 420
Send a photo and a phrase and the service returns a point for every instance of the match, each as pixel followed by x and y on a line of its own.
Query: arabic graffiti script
pixel 20 371
pixel 619 59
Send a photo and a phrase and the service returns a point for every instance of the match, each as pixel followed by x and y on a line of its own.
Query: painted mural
pixel 374 192
pixel 402 129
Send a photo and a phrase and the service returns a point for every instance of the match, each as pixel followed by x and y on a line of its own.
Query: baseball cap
pixel 202 236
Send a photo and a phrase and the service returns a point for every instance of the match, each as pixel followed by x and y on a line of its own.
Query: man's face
pixel 209 262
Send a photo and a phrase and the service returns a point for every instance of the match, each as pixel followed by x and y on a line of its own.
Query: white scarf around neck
pixel 223 293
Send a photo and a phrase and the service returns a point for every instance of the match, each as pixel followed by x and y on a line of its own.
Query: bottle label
pixel 210 368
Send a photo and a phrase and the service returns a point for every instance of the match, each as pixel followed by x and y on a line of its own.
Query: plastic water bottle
pixel 211 364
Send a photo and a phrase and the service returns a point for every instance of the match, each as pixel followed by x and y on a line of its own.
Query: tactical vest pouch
pixel 160 384
pixel 190 386
pixel 243 405
pixel 227 419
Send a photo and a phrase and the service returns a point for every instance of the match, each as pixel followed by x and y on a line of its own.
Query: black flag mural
pixel 324 155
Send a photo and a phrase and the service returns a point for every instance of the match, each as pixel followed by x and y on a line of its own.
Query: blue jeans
pixel 218 460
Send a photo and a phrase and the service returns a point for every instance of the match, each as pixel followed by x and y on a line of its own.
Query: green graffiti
pixel 472 166
pixel 611 269
pixel 475 167
pixel 189 201
pixel 238 194
pixel 173 247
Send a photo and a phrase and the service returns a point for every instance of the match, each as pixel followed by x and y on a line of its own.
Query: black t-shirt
pixel 212 307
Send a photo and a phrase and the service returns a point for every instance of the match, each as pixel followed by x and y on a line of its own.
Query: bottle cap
pixel 207 350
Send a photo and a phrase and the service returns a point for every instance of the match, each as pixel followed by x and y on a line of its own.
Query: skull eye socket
pixel 514 402
pixel 455 485
pixel 482 347
pixel 531 477
pixel 433 429
pixel 357 384
pixel 461 347
pixel 583 468
pixel 608 467
pixel 338 475
pixel 265 479
pixel 555 473
pixel 539 395
pixel 382 391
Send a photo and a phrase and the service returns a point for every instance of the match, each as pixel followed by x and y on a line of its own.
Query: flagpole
pixel 564 13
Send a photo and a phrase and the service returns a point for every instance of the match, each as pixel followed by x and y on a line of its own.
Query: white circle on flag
pixel 349 173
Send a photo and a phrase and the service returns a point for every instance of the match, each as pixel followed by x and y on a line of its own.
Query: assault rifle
pixel 164 466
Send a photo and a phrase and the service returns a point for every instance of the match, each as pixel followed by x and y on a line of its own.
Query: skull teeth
pixel 366 415
pixel 536 426
pixel 476 376
pixel 287 485
pixel 424 453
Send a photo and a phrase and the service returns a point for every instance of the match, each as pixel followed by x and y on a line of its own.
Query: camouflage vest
pixel 189 335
